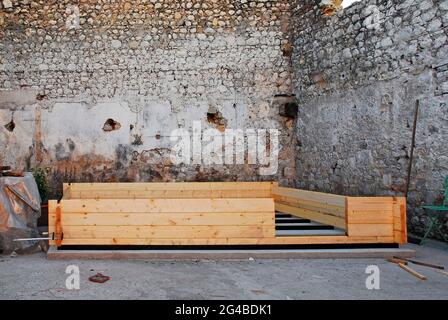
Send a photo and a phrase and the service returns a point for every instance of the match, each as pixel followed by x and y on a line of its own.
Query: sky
pixel 346 3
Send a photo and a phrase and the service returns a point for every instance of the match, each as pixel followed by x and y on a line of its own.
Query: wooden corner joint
pixel 59 235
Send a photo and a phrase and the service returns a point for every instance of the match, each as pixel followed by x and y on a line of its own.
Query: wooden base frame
pixel 233 213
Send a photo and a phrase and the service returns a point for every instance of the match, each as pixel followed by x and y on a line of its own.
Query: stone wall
pixel 357 75
pixel 95 98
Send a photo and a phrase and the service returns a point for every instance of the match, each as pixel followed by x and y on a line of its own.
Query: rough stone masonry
pixel 358 74
pixel 95 98
pixel 94 88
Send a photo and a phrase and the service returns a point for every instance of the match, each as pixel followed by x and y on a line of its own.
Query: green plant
pixel 42 184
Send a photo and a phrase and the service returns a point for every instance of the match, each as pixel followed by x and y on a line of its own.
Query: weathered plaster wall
pixel 358 75
pixel 152 66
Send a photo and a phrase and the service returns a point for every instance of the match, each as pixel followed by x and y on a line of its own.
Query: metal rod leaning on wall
pixel 411 157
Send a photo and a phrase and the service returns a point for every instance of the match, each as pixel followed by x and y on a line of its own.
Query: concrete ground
pixel 34 277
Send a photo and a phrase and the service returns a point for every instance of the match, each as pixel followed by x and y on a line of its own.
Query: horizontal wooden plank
pixel 323 198
pixel 166 232
pixel 312 215
pixel 232 241
pixel 148 186
pixel 370 217
pixel 370 203
pixel 169 205
pixel 166 194
pixel 312 205
pixel 370 230
pixel 164 219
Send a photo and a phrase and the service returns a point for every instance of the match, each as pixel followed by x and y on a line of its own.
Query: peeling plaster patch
pixel 111 125
pixel 17 98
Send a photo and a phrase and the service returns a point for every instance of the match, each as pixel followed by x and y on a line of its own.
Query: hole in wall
pixel 111 125
pixel 138 140
pixel 287 50
pixel 216 118
pixel 41 97
pixel 10 126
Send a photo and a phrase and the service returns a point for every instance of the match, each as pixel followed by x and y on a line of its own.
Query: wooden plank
pixel 421 263
pixel 58 231
pixel 166 232
pixel 411 271
pixel 163 219
pixel 166 194
pixel 370 204
pixel 312 215
pixel 173 186
pixel 319 197
pixel 370 217
pixel 169 205
pixel 367 230
pixel 232 241
pixel 66 191
pixel 399 216
pixel 312 205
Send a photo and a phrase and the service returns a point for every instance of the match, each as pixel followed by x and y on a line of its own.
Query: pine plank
pixel 231 241
pixel 323 198
pixel 312 215
pixel 163 219
pixel 148 186
pixel 169 205
pixel 370 230
pixel 370 217
pixel 312 205
pixel 166 232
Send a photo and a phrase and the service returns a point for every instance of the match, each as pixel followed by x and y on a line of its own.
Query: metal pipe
pixel 411 157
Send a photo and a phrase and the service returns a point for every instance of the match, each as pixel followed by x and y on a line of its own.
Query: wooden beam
pixel 319 197
pixel 312 215
pixel 411 271
pixel 166 232
pixel 308 240
pixel 164 219
pixel 169 205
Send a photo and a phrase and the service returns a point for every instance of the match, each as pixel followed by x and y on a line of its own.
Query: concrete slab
pixel 54 254
pixel 35 277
